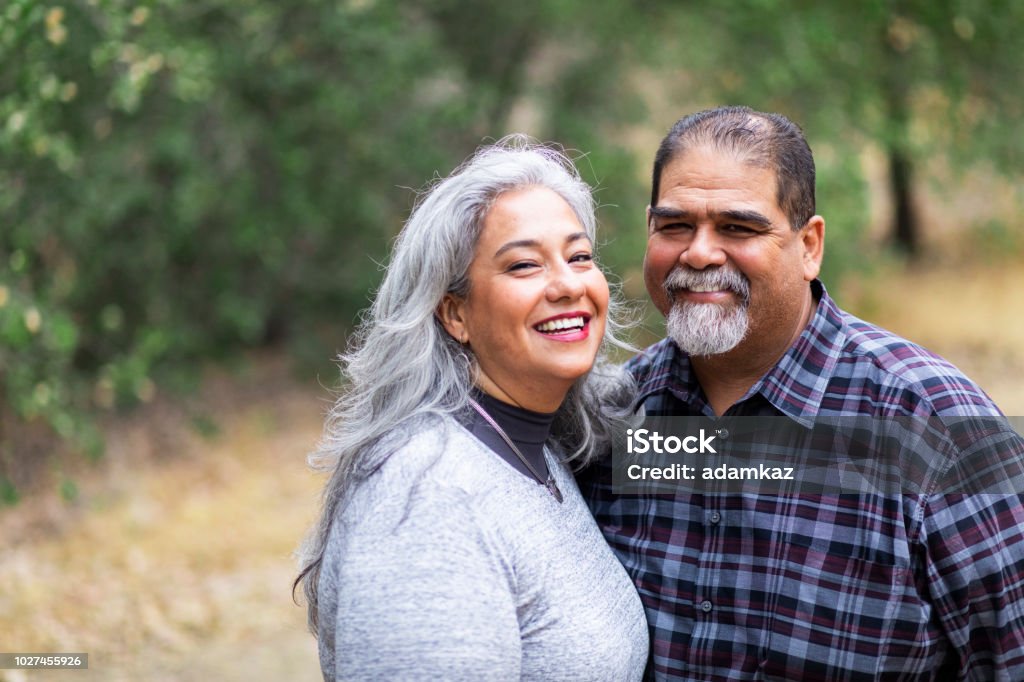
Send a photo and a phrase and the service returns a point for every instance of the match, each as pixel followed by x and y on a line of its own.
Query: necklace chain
pixel 548 483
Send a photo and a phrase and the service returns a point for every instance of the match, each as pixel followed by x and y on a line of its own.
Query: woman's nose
pixel 565 283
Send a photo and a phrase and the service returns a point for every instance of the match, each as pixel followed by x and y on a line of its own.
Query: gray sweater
pixel 448 564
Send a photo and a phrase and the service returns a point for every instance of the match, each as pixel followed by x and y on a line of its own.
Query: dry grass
pixel 972 315
pixel 175 568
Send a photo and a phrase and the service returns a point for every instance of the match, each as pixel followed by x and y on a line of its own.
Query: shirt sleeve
pixel 974 538
pixel 427 598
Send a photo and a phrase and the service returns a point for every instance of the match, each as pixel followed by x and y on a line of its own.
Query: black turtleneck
pixel 528 430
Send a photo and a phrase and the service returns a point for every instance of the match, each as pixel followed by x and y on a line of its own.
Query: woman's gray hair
pixel 402 366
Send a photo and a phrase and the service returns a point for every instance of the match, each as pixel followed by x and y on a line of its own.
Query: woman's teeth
pixel 560 324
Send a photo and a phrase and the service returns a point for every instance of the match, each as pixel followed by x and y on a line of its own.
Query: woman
pixel 454 543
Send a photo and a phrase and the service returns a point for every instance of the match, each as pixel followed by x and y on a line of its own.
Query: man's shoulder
pixel 909 374
pixel 891 354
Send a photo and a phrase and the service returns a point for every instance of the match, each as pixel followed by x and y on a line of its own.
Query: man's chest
pixel 787 587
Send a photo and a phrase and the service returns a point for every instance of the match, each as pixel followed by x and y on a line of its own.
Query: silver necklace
pixel 549 483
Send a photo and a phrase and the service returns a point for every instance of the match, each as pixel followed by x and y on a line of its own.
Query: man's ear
pixel 647 222
pixel 812 241
pixel 451 312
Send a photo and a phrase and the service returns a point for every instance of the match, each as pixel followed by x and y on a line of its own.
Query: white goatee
pixel 705 329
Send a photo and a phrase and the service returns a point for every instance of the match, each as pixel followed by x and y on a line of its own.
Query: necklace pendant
pixel 553 488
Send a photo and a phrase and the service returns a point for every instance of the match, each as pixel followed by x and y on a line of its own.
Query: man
pixel 798 587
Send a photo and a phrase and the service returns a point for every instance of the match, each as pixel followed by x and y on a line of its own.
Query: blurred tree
pixel 182 179
pixel 570 64
pixel 919 78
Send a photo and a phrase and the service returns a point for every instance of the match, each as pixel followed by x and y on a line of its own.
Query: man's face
pixel 723 263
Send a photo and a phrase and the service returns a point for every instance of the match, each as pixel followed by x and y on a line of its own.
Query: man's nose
pixel 703 250
pixel 565 282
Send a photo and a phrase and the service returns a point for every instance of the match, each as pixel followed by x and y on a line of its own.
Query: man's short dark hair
pixel 769 141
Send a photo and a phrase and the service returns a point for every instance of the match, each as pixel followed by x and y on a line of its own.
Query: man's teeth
pixel 560 324
pixel 702 288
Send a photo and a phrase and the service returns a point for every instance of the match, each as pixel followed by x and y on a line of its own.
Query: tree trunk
pixel 906 233
pixel 896 81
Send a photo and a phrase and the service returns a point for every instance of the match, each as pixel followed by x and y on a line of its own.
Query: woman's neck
pixel 522 424
pixel 542 402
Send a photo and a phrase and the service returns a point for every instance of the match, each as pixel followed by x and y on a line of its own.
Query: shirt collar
pixel 795 386
pixel 797 383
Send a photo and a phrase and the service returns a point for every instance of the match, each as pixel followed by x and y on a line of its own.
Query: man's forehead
pixel 705 155
pixel 708 168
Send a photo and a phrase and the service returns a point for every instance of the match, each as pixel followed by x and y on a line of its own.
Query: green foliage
pixel 920 80
pixel 995 241
pixel 205 426
pixel 8 493
pixel 181 180
pixel 68 490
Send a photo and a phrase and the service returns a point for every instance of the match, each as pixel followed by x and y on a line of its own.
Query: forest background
pixel 196 198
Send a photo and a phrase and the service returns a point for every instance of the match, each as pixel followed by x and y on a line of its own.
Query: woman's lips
pixel 569 327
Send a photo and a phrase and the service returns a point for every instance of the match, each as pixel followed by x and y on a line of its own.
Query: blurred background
pixel 197 197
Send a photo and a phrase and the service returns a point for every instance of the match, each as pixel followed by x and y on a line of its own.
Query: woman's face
pixel 537 304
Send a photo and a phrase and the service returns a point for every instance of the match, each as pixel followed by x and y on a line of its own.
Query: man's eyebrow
pixel 737 215
pixel 742 216
pixel 665 212
pixel 533 243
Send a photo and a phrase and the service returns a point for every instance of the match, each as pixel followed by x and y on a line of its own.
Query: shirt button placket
pixel 714 518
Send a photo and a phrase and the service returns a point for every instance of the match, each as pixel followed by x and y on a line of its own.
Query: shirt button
pixel 715 518
pixel 723 434
pixel 705 606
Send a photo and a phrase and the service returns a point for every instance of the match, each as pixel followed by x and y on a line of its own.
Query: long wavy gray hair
pixel 402 366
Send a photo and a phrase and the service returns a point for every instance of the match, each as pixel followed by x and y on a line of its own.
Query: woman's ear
pixel 451 313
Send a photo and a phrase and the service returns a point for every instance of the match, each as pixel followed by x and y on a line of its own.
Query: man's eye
pixel 737 229
pixel 673 227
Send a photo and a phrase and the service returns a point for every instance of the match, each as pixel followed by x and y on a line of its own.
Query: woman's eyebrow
pixel 526 243
pixel 508 246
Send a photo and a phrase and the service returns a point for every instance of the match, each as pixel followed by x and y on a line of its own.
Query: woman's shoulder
pixel 426 489
pixel 432 445
pixel 428 458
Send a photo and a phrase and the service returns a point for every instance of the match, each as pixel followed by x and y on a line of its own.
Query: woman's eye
pixel 521 266
pixel 582 258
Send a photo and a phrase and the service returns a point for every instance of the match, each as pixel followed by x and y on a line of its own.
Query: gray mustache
pixel 717 278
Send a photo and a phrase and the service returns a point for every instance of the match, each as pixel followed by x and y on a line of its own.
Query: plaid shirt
pixel 841 587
